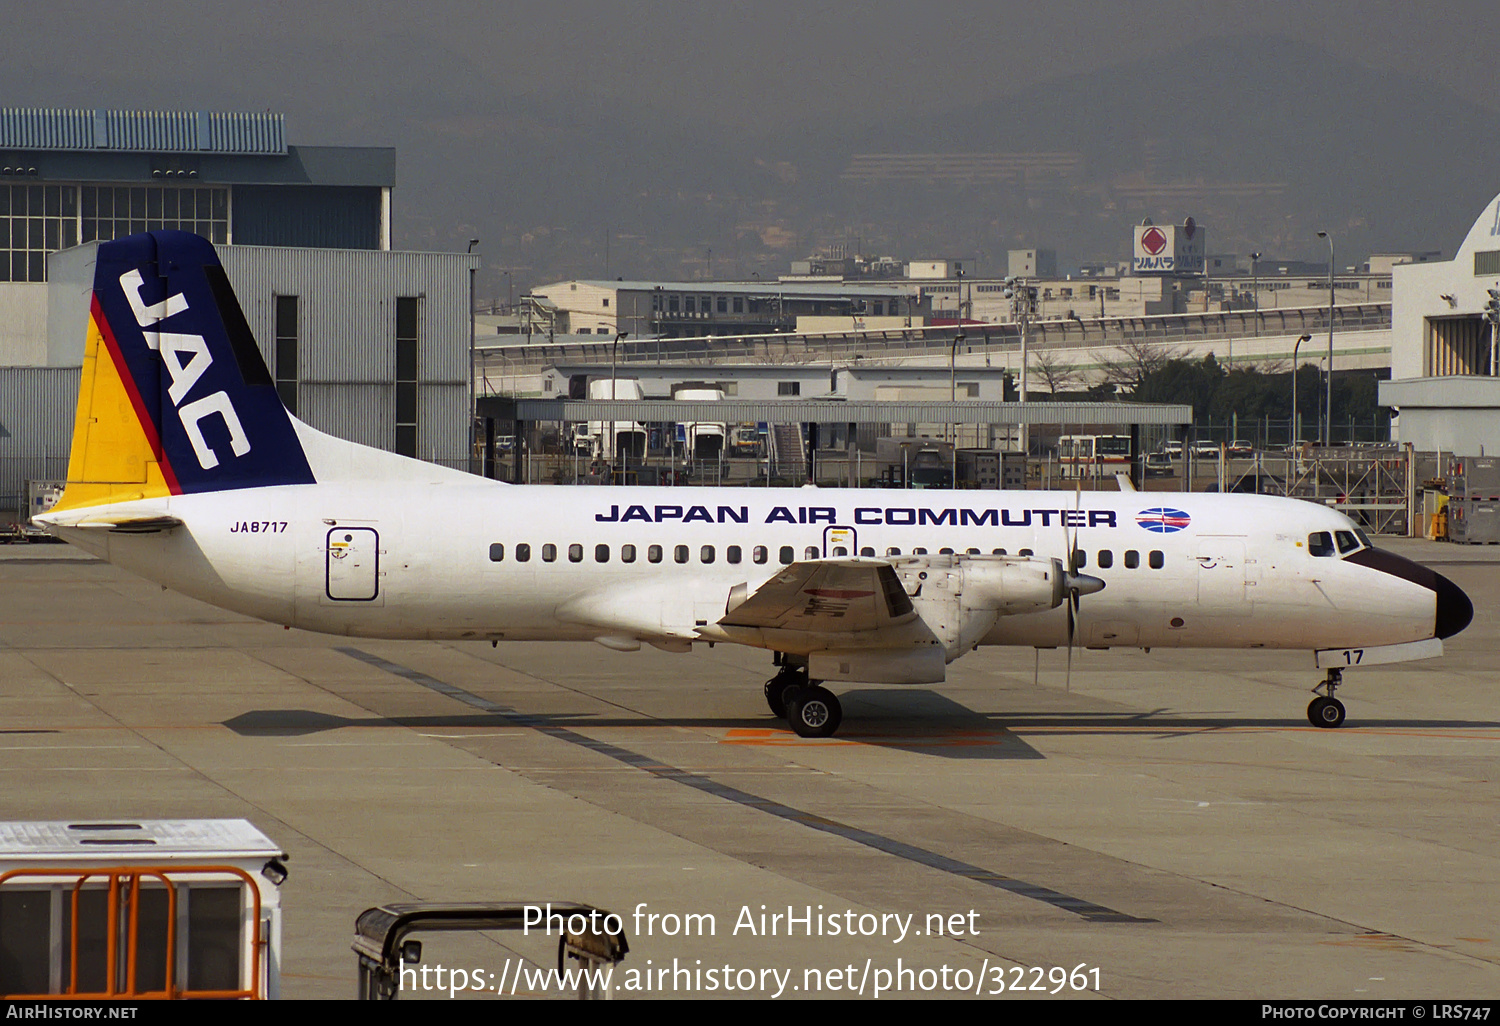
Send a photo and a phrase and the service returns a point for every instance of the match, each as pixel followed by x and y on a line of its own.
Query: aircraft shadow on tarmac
pixel 908 720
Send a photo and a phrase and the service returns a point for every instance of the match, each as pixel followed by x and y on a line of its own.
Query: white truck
pixel 600 439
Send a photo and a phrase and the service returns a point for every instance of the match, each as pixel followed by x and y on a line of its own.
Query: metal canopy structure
pixel 832 411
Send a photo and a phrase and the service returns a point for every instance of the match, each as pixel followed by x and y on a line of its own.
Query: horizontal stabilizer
pixel 117 523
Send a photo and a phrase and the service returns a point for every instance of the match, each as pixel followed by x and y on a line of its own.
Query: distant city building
pixel 1032 263
pixel 690 309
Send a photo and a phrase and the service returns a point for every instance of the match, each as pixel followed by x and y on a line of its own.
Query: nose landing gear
pixel 1325 710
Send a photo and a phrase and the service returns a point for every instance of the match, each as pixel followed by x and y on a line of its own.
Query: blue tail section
pixel 191 368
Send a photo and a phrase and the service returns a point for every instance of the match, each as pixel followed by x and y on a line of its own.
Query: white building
pixel 1442 349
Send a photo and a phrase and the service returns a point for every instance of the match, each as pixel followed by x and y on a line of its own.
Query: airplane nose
pixel 1454 610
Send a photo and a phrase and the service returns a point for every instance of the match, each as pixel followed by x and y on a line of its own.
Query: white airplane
pixel 188 470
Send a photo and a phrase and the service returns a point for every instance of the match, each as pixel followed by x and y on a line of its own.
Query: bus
pixel 1093 456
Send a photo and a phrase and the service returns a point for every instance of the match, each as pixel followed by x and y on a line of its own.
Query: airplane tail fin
pixel 175 397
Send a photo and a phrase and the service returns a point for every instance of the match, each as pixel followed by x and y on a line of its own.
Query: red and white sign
pixel 1169 249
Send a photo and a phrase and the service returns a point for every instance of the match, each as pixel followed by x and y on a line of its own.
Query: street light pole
pixel 953 383
pixel 1293 431
pixel 1329 403
pixel 1255 288
pixel 614 425
pixel 473 394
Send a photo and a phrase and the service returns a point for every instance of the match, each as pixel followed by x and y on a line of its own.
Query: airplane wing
pixel 825 596
pixel 851 617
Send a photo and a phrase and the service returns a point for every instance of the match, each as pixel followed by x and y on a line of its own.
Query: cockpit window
pixel 1347 542
pixel 1320 543
pixel 1364 538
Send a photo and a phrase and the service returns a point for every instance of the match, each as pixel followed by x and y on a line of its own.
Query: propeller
pixel 1075 585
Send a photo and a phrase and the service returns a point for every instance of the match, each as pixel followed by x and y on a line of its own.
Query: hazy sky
pixel 561 116
pixel 767 62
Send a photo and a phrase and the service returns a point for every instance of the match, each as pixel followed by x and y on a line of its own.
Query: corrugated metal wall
pixel 347 337
pixel 37 405
pixel 156 131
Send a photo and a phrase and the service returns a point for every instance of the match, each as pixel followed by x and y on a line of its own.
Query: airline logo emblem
pixel 172 346
pixel 208 412
pixel 1163 520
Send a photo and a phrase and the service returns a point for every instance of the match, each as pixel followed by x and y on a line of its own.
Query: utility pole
pixel 1328 432
pixel 1022 306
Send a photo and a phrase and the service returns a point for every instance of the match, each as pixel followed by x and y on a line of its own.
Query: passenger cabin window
pixel 549 553
pixel 627 553
pixel 785 555
pixel 811 552
pixel 867 551
pixel 1320 543
pixel 732 554
pixel 706 554
pixel 839 550
pixel 998 552
pixel 653 554
pixel 1157 559
pixel 575 553
pixel 973 552
pixel 497 552
pixel 1347 542
pixel 680 553
pixel 1132 559
pixel 893 551
pixel 759 554
pixel 1024 552
pixel 919 551
pixel 601 553
pixel 1106 559
pixel 1080 559
pixel 945 552
pixel 523 553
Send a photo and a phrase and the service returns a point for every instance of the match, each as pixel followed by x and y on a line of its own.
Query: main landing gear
pixel 810 709
pixel 1325 710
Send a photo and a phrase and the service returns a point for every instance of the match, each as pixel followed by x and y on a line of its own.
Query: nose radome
pixel 1454 610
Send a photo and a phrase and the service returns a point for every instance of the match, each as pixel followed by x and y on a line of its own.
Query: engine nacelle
pixel 960 598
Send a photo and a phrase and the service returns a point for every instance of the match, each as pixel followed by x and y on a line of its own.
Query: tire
pixel 778 690
pixel 1325 712
pixel 814 712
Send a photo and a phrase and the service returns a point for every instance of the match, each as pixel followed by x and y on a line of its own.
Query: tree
pixel 1136 360
pixel 1056 373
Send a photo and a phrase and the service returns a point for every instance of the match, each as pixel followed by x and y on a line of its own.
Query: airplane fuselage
pixel 475 559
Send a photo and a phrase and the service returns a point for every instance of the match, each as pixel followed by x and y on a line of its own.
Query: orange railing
pixel 126 880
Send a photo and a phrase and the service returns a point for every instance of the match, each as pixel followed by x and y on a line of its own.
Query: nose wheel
pixel 1325 710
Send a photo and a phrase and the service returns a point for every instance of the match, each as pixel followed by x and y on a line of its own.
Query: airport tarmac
pixel 1167 823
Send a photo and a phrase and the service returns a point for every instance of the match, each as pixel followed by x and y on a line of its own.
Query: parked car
pixel 1159 464
pixel 1172 447
pixel 1241 447
pixel 1204 448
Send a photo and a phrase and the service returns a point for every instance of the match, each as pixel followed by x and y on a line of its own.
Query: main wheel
pixel 814 712
pixel 1325 712
pixel 778 689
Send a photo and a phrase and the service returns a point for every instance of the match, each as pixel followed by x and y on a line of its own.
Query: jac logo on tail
pixel 172 348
